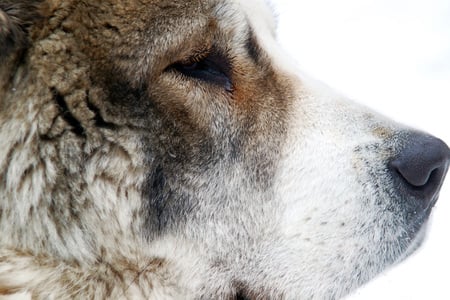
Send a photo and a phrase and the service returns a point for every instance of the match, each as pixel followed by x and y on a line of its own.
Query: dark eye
pixel 213 69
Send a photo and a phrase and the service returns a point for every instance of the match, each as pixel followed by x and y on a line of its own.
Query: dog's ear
pixel 16 16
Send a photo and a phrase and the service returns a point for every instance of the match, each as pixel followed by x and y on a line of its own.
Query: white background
pixel 392 55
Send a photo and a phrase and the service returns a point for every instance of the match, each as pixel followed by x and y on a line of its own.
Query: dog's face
pixel 178 130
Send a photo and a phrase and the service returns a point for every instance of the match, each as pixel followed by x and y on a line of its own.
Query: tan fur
pixel 51 173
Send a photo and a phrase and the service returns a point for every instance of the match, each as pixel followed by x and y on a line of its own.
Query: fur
pixel 169 150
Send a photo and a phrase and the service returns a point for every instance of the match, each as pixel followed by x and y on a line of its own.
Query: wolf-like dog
pixel 169 150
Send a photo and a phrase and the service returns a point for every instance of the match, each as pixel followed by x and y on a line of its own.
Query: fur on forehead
pixel 238 15
pixel 260 14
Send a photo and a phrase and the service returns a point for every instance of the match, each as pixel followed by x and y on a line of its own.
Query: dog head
pixel 178 130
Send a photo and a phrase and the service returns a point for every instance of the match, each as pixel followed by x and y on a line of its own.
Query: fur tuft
pixel 15 19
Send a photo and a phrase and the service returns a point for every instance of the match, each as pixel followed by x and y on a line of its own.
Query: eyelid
pixel 210 66
pixel 196 56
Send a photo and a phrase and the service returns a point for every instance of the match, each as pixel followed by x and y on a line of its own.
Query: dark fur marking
pixel 166 206
pixel 158 184
pixel 252 46
pixel 11 35
pixel 157 198
pixel 241 296
pixel 15 19
pixel 98 119
pixel 114 28
pixel 126 96
pixel 244 292
pixel 77 128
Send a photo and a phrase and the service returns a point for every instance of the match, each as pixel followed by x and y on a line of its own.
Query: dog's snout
pixel 421 165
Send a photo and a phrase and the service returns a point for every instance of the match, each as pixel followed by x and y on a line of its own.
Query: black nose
pixel 422 165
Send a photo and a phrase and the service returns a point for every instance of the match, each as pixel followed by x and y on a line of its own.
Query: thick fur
pixel 125 174
pixel 15 18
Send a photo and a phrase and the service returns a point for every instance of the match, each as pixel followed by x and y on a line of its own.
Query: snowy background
pixel 392 55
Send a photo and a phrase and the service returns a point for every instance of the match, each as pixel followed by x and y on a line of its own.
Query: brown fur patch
pixel 114 147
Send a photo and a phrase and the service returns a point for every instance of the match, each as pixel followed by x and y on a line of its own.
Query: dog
pixel 169 150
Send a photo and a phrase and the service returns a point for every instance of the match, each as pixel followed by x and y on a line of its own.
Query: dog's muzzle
pixel 419 169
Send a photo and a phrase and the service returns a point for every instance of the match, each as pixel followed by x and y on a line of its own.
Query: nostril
pixel 416 173
pixel 422 164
